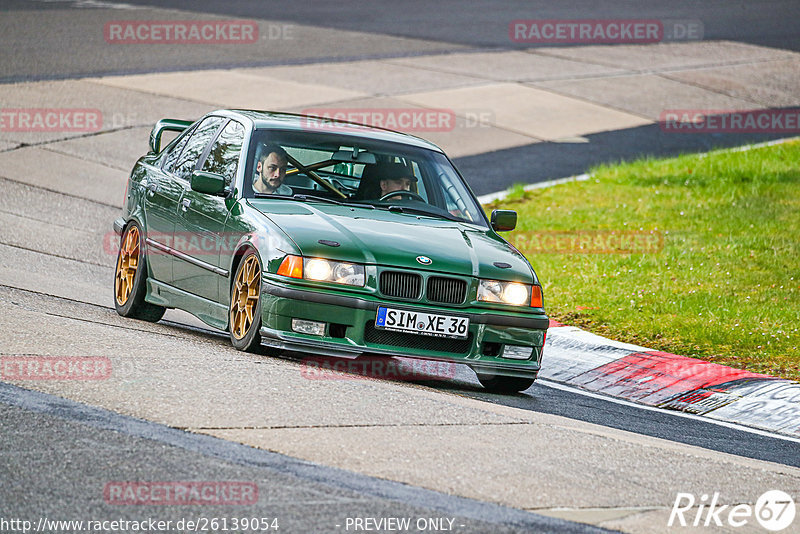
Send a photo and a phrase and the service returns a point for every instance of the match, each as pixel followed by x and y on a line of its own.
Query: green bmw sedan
pixel 297 233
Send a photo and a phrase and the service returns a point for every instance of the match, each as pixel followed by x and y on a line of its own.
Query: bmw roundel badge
pixel 424 260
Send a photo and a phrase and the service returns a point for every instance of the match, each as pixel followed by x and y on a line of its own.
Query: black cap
pixel 394 171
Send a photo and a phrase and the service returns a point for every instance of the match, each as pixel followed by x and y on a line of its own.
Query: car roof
pixel 308 123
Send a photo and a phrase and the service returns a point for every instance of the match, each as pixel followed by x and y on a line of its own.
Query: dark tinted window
pixel 223 158
pixel 172 156
pixel 187 162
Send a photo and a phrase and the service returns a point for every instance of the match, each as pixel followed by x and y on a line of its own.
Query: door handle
pixel 152 188
pixel 185 203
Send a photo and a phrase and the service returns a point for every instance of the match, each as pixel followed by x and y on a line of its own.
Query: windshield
pixel 358 171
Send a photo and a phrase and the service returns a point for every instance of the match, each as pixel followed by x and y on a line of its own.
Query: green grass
pixel 725 287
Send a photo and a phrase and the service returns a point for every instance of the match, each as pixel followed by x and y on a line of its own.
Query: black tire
pixel 130 280
pixel 244 333
pixel 505 384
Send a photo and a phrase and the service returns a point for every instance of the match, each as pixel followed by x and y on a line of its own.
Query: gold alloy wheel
pixel 244 300
pixel 127 263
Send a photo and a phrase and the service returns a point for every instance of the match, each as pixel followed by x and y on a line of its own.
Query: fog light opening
pixel 313 328
pixel 337 330
pixel 517 352
pixel 491 349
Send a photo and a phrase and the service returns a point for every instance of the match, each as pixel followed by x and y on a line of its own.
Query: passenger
pixel 271 172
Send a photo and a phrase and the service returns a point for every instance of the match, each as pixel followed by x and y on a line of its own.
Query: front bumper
pixel 350 330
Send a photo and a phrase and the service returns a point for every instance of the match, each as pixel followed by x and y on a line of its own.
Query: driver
pixel 271 171
pixel 400 179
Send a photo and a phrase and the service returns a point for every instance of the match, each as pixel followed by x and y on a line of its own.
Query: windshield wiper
pixel 332 201
pixel 303 198
pixel 420 211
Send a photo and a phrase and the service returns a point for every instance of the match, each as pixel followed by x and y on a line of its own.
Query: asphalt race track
pixel 181 404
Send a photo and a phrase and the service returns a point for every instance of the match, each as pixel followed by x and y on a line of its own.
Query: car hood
pixel 381 237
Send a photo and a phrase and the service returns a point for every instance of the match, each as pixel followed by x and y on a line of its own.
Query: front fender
pixel 249 228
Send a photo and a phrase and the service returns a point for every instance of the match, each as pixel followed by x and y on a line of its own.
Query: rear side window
pixel 187 161
pixel 172 157
pixel 223 159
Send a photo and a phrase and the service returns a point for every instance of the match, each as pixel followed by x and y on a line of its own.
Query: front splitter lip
pixel 280 340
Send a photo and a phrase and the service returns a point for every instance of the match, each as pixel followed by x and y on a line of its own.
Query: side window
pixel 187 161
pixel 172 158
pixel 223 158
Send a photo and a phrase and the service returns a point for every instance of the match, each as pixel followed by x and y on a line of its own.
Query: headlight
pixel 338 272
pixel 512 293
pixel 317 269
pixel 322 270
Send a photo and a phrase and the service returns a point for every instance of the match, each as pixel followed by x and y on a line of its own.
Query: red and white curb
pixel 639 375
pixel 593 363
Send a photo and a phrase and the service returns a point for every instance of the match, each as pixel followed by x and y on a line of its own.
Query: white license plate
pixel 428 324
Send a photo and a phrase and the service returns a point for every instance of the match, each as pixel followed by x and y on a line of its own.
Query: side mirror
pixel 504 220
pixel 208 183
pixel 172 125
